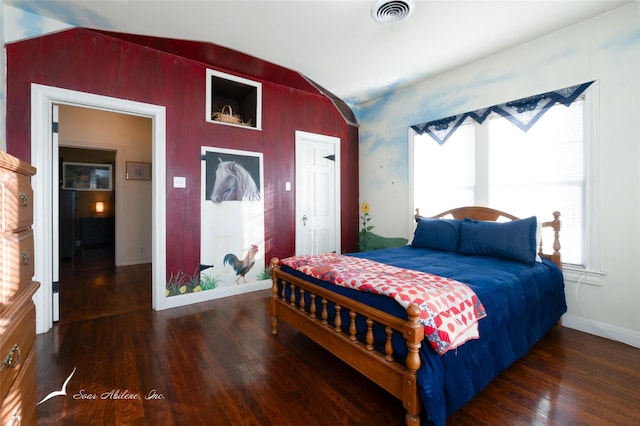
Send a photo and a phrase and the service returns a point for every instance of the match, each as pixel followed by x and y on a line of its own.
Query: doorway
pixel 44 150
pixel 89 143
pixel 317 194
pixel 89 285
pixel 86 215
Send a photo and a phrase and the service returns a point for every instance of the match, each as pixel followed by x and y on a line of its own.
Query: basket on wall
pixel 226 115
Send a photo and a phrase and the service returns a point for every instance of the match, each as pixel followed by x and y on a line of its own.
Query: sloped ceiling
pixel 336 43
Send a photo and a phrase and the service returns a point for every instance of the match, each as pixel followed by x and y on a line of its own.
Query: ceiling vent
pixel 391 11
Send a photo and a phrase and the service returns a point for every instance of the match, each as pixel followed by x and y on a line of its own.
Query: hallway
pixel 92 287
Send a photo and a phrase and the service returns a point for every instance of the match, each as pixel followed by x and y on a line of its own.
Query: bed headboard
pixel 493 215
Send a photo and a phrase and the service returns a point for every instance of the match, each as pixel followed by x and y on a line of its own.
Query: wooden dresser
pixel 17 311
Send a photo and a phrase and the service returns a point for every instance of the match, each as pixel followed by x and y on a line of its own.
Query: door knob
pixel 304 220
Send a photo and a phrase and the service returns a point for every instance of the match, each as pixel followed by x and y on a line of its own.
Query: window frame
pixel 591 272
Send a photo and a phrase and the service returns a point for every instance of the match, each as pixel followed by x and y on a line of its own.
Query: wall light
pixel 99 207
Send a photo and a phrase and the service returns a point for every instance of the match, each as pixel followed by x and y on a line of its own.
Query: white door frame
pixel 300 137
pixel 42 154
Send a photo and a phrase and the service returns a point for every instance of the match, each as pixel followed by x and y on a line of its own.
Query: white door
pixel 317 193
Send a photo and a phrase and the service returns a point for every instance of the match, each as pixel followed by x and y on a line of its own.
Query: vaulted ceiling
pixel 336 43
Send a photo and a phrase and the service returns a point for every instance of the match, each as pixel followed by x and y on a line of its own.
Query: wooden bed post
pixel 555 224
pixel 275 262
pixel 556 234
pixel 414 334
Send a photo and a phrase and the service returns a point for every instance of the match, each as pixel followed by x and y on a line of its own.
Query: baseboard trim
pixel 217 293
pixel 608 331
pixel 135 262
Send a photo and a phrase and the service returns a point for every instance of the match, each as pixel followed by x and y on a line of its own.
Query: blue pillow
pixel 514 240
pixel 438 234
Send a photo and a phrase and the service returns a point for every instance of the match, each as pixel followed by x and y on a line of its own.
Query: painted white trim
pixel 208 85
pixel 218 293
pixel 42 148
pixel 576 275
pixel 592 214
pixel 597 328
pixel 411 223
pixel 136 262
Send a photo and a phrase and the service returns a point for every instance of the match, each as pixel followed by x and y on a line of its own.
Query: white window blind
pixel 542 170
pixel 444 175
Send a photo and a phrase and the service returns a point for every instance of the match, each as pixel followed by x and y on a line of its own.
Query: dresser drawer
pixel 17 341
pixel 16 209
pixel 18 408
pixel 16 263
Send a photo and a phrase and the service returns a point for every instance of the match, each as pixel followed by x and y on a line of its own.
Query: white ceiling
pixel 335 42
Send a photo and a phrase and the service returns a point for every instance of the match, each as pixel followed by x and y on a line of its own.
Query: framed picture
pixel 87 176
pixel 138 171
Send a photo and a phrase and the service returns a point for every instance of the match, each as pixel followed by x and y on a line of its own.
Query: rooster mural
pixel 241 267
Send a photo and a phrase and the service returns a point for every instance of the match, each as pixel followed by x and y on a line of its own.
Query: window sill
pixel 579 275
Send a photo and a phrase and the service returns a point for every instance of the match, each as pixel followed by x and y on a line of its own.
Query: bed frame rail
pixel 288 303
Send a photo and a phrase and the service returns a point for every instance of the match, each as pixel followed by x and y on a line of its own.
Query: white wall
pixel 605 48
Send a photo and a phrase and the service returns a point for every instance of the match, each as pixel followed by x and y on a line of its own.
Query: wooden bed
pixel 290 303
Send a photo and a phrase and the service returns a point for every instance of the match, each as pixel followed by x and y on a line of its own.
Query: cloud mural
pixel 575 55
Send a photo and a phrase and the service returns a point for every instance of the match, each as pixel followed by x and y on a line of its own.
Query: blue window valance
pixel 523 113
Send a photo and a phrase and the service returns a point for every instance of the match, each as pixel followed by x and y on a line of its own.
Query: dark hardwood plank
pixel 92 287
pixel 217 363
pixel 568 378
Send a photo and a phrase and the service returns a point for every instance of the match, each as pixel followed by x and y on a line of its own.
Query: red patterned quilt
pixel 449 309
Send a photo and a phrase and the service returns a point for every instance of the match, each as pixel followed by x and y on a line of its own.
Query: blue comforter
pixel 522 303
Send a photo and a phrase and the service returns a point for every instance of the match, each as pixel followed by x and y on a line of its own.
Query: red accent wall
pixel 100 63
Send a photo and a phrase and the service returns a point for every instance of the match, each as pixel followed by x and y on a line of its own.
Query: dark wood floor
pixel 92 287
pixel 216 363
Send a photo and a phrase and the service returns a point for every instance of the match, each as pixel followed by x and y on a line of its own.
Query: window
pixel 444 175
pixel 542 170
pixel 524 173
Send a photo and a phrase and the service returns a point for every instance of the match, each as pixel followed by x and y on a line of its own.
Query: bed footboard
pixel 296 302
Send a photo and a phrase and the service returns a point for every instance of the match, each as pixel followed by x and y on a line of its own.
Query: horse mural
pixel 233 183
